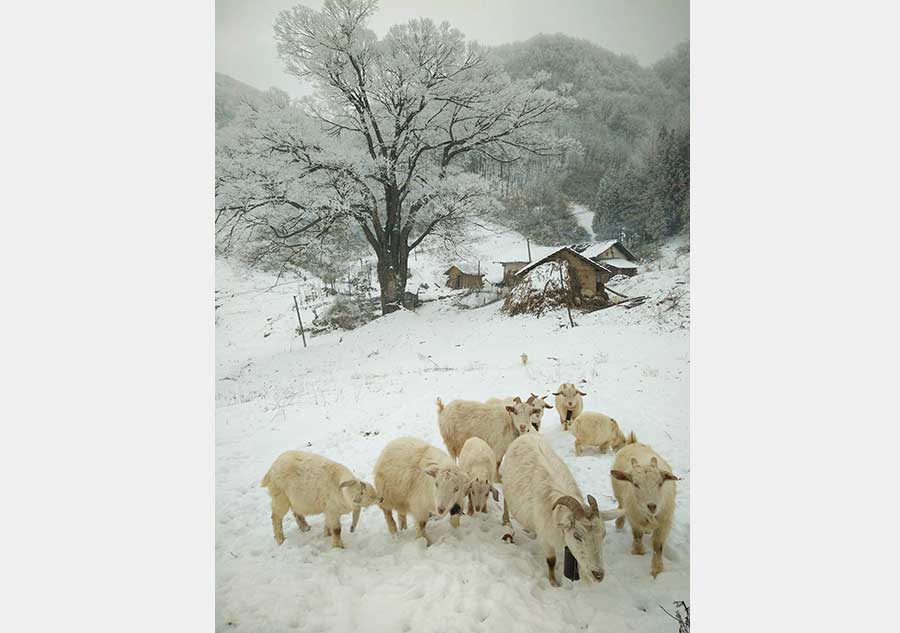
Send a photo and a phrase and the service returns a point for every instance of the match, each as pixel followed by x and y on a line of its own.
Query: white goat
pixel 569 404
pixel 311 484
pixel 644 486
pixel 496 424
pixel 478 461
pixel 597 429
pixel 540 493
pixel 539 403
pixel 414 477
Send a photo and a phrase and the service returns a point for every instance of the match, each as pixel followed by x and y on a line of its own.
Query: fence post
pixel 299 320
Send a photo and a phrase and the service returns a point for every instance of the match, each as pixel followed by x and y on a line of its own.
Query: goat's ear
pixel 669 476
pixel 621 476
pixel 654 463
pixel 517 399
pixel 634 463
pixel 348 482
pixel 431 471
pixel 495 494
pixel 547 405
pixel 580 393
pixel 511 409
pixel 609 515
pixel 556 393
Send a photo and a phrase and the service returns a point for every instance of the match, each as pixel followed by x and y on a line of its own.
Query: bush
pixel 347 314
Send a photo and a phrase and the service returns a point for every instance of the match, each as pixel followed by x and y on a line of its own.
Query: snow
pixel 544 277
pixel 540 261
pixel 619 263
pixel 592 250
pixel 349 393
pixel 584 217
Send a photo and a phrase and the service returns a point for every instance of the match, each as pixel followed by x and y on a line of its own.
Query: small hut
pixel 510 269
pixel 456 278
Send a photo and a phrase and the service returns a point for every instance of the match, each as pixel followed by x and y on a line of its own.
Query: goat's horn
pixel 593 503
pixel 572 504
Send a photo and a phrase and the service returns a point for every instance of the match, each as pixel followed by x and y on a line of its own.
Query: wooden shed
pixel 456 278
pixel 510 269
pixel 587 274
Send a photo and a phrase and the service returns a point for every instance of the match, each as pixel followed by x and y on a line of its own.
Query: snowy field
pixel 349 393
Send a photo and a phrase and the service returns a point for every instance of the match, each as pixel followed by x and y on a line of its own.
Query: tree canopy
pixel 379 142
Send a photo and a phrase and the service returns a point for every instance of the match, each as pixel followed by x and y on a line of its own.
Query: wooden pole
pixel 528 244
pixel 300 321
pixel 607 288
pixel 562 285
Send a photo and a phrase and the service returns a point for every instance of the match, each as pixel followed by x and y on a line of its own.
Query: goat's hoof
pixel 279 539
pixel 508 538
pixel 637 551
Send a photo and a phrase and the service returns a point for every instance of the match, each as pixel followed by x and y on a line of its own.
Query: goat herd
pixel 539 491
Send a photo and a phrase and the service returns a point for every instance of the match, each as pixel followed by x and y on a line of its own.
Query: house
pixel 587 275
pixel 591 264
pixel 612 254
pixel 510 269
pixel 456 278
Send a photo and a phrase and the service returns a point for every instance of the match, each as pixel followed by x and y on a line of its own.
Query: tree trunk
pixel 392 276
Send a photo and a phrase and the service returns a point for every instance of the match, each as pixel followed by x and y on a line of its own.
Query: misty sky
pixel 645 29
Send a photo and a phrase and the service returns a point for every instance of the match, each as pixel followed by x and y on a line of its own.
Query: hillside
pixel 621 104
pixel 349 393
pixel 230 93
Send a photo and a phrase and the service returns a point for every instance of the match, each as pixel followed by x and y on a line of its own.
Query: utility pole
pixel 299 320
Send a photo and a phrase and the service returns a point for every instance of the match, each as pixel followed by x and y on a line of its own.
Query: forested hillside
pixel 632 124
pixel 230 93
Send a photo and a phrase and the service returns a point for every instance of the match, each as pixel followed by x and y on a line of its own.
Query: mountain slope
pixel 230 93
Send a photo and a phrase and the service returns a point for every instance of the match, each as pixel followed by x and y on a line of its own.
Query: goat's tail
pixel 265 481
pixel 440 405
pixel 632 438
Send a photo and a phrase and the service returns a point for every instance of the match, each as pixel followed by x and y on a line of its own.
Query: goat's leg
pixel 301 522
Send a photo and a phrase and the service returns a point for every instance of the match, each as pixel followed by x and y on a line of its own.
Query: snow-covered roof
pixel 532 265
pixel 591 250
pixel 594 249
pixel 619 263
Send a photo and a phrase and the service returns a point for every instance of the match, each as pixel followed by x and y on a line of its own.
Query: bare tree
pixel 378 144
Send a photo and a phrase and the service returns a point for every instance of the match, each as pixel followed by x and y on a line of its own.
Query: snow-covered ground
pixel 349 393
pixel 584 217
